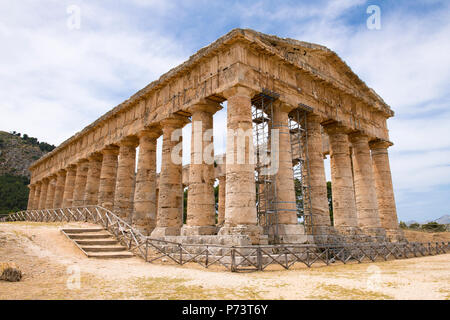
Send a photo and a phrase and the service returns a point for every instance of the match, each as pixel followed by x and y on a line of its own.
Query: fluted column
pixel 288 227
pixel 31 193
pixel 344 206
pixel 37 195
pixel 144 215
pixel 51 192
pixel 384 189
pixel 69 186
pixel 93 179
pixel 108 175
pixel 201 212
pixel 221 209
pixel 317 180
pixel 365 193
pixel 170 203
pixel 123 195
pixel 240 211
pixel 43 195
pixel 80 183
pixel 59 189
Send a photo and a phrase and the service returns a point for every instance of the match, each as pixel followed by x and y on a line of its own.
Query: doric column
pixel 80 183
pixel 59 189
pixel 50 192
pixel 288 227
pixel 31 193
pixel 201 211
pixel 384 189
pixel 170 203
pixel 37 195
pixel 240 198
pixel 317 179
pixel 365 193
pixel 123 195
pixel 108 175
pixel 144 215
pixel 43 195
pixel 221 209
pixel 344 206
pixel 69 186
pixel 93 179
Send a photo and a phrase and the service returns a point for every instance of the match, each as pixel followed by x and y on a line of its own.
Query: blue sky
pixel 55 80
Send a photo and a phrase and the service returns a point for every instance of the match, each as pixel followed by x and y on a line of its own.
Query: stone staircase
pixel 96 243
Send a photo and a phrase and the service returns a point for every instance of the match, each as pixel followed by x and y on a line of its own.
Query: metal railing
pixel 233 258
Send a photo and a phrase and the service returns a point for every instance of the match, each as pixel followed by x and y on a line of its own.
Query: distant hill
pixel 444 219
pixel 17 152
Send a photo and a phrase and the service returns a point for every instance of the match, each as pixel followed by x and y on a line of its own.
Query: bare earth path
pixel 51 263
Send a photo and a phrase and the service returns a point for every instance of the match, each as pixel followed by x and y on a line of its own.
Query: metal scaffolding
pixel 299 135
pixel 266 193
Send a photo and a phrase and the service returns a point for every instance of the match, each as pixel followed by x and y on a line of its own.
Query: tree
pixel 434 227
pixel 402 225
pixel 414 226
pixel 330 202
pixel 13 193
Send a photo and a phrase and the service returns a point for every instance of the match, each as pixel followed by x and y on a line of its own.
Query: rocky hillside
pixel 17 153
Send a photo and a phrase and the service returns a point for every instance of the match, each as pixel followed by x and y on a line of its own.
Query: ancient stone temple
pixel 290 104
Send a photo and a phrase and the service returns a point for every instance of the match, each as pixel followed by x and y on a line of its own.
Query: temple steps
pixel 97 243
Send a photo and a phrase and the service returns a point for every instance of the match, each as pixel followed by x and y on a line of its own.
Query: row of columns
pixel 361 182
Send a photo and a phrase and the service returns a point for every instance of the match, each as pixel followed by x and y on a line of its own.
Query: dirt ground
pixel 423 236
pixel 54 268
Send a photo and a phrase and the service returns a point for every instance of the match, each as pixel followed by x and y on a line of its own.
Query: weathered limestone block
pixel 37 195
pixel 240 198
pixel 221 209
pixel 69 186
pixel 201 212
pixel 384 189
pixel 317 179
pixel 93 179
pixel 80 183
pixel 108 175
pixel 144 215
pixel 10 272
pixel 43 195
pixel 365 193
pixel 31 193
pixel 344 206
pixel 170 203
pixel 59 189
pixel 124 193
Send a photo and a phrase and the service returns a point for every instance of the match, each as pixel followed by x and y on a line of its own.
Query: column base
pixel 327 235
pixel 395 235
pixel 254 232
pixel 291 233
pixel 352 234
pixel 198 230
pixel 159 232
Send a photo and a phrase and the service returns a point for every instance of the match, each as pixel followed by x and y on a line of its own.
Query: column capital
pixel 71 168
pixel 205 105
pixel 239 90
pixel 95 157
pixel 46 180
pixel 380 144
pixel 283 106
pixel 110 149
pixel 174 121
pixel 152 132
pixel 81 161
pixel 357 135
pixel 62 172
pixel 332 126
pixel 129 141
